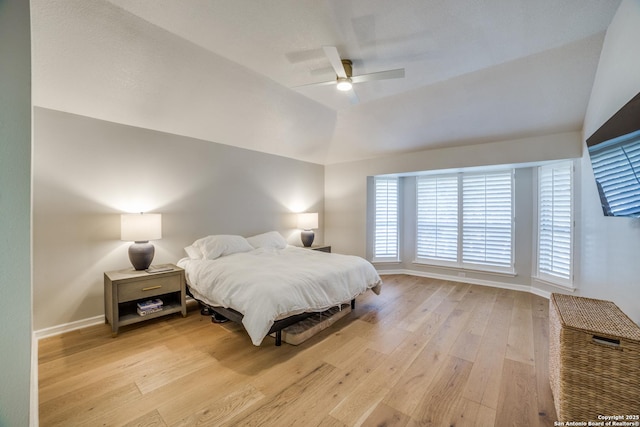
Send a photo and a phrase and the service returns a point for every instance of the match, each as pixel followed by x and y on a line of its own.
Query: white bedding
pixel 268 284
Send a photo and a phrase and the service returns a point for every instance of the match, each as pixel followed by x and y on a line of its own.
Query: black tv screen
pixel 614 150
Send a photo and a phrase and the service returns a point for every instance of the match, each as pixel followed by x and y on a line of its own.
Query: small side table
pixel 123 289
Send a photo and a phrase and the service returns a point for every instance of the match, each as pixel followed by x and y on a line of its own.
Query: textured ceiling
pixel 228 71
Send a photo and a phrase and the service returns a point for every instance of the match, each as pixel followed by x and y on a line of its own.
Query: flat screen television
pixel 614 150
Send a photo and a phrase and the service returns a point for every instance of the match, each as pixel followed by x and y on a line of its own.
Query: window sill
pixel 466 269
pixel 386 261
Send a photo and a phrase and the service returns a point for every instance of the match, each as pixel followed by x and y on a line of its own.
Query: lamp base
pixel 141 255
pixel 307 237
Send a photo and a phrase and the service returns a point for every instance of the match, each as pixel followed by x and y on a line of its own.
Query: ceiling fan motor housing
pixel 348 67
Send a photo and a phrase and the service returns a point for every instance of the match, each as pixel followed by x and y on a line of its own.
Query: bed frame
pixel 217 313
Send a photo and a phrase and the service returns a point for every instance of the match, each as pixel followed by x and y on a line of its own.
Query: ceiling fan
pixel 344 74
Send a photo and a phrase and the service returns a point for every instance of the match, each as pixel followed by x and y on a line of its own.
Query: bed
pixel 266 284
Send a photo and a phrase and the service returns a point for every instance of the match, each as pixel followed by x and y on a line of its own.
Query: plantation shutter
pixel 555 222
pixel 437 218
pixel 487 219
pixel 386 219
pixel 617 171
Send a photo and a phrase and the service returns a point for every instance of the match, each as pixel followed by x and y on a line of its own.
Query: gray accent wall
pixel 15 213
pixel 89 171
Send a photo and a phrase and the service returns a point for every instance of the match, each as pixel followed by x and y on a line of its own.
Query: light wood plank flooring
pixel 424 352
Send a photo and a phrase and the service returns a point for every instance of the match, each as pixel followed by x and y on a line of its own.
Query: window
pixel 385 241
pixel 555 223
pixel 466 220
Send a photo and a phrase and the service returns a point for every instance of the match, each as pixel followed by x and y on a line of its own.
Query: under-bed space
pixel 222 315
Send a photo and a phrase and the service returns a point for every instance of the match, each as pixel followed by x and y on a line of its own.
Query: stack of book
pixel 150 306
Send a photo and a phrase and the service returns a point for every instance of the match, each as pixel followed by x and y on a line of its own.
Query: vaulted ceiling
pixel 230 71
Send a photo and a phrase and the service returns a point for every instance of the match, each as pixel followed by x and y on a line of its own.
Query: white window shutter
pixel 437 218
pixel 487 219
pixel 386 234
pixel 555 222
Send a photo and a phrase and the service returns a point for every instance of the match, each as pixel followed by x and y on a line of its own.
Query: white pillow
pixel 193 252
pixel 213 247
pixel 271 239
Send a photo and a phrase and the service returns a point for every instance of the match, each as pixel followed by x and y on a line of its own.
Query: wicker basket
pixel 594 359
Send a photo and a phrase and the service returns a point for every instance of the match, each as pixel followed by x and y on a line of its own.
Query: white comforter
pixel 269 284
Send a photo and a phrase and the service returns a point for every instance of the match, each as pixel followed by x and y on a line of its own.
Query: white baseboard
pixel 473 281
pixel 68 327
pixel 34 412
pixel 540 292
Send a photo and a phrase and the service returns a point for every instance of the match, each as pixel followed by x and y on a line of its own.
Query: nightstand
pixel 321 248
pixel 123 289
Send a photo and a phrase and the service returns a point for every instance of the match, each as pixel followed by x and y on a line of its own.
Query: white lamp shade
pixel 308 221
pixel 140 227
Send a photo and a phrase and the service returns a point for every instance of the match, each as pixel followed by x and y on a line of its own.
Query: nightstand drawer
pixel 141 289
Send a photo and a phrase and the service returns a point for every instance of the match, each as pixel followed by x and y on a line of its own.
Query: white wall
pixel 15 212
pixel 88 171
pixel 610 247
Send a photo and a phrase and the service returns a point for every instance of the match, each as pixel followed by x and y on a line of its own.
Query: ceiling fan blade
pixel 332 82
pixel 381 75
pixel 336 61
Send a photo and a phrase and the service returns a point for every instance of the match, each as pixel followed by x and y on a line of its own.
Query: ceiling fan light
pixel 344 83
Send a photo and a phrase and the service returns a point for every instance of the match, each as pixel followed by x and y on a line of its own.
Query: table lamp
pixel 307 221
pixel 140 228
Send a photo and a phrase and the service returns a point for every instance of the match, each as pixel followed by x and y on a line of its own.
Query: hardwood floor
pixel 424 352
